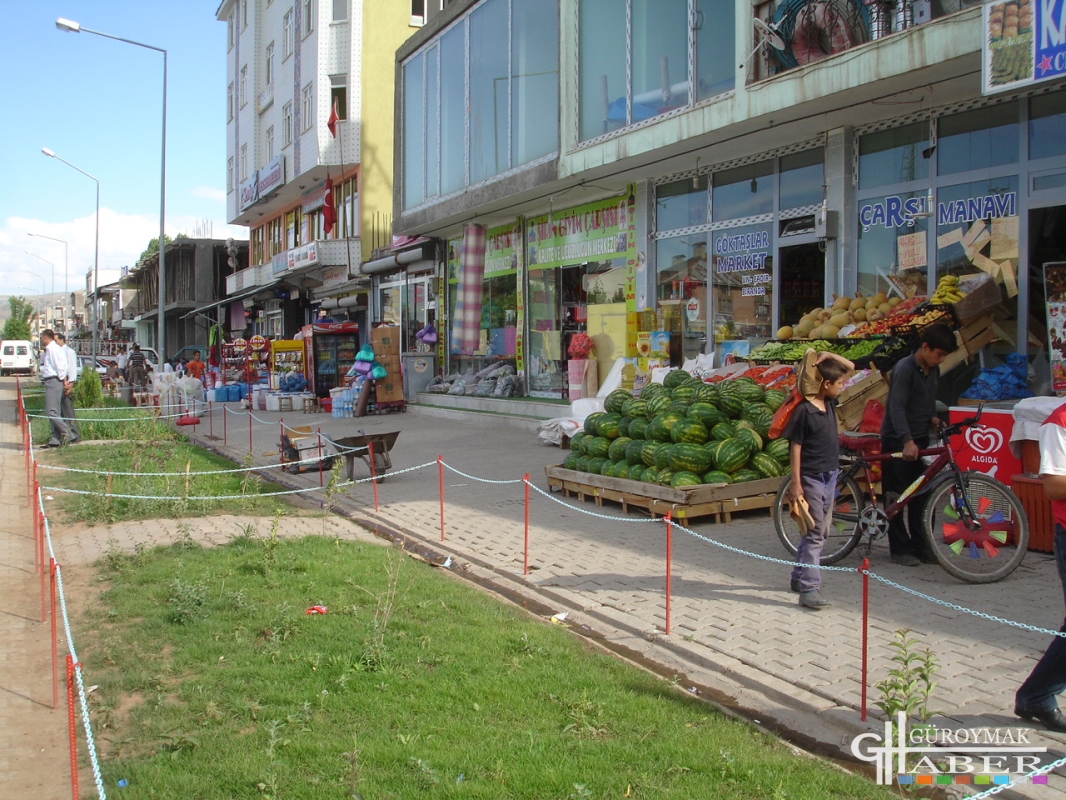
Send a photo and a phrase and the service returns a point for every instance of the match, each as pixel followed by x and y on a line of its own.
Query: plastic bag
pixel 365 354
pixel 377 371
pixel 580 346
pixel 485 387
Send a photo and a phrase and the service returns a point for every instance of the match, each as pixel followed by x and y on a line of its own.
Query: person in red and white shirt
pixel 1036 697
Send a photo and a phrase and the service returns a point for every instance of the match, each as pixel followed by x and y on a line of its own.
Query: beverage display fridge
pixel 329 352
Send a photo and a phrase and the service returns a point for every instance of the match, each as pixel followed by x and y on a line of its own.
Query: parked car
pixel 85 361
pixel 17 356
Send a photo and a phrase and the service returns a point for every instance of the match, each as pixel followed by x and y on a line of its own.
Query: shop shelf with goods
pixel 286 358
pixel 329 352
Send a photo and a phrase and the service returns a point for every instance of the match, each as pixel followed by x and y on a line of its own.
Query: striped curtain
pixel 466 322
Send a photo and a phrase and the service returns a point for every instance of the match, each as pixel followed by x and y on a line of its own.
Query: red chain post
pixel 373 476
pixel 55 656
pixel 864 568
pixel 225 426
pixel 211 417
pixel 525 540
pixel 249 431
pixel 669 563
pixel 71 727
pixel 440 478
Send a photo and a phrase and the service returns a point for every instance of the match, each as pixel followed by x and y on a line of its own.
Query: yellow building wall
pixel 386 25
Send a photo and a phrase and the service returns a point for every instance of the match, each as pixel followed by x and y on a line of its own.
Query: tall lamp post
pixel 70 26
pixel 66 272
pixel 96 251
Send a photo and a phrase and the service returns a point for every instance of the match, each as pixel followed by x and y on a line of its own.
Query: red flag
pixel 333 117
pixel 329 213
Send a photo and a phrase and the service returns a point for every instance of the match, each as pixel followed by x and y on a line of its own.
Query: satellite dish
pixel 770 34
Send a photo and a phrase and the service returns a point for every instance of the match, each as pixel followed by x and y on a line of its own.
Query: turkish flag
pixel 329 213
pixel 333 117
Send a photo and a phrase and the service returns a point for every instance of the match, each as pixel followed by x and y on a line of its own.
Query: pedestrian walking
pixel 122 361
pixel 54 377
pixel 66 406
pixel 814 459
pixel 135 365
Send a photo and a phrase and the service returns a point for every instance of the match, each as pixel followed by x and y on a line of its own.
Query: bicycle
pixel 974 525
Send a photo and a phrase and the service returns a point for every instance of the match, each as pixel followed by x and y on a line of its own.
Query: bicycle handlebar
pixel 947 431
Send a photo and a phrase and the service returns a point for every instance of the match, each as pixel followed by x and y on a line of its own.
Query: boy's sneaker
pixel 906 560
pixel 813 599
pixel 794 585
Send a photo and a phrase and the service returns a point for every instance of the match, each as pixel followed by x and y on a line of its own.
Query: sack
pixel 872 417
pixel 784 414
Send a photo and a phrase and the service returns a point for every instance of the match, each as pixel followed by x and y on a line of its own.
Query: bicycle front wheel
pixel 995 546
pixel 843 531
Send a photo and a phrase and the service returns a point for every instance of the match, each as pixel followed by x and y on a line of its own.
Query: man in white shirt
pixel 67 404
pixel 123 357
pixel 54 377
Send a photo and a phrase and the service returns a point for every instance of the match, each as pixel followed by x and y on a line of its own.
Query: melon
pixel 784 332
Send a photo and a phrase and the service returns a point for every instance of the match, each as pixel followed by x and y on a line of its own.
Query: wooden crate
pixel 852 401
pixel 719 501
pixel 971 338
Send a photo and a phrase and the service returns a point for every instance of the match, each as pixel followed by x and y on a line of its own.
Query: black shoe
pixel 1051 718
pixel 49 444
pixel 906 560
pixel 813 599
pixel 926 557
pixel 794 585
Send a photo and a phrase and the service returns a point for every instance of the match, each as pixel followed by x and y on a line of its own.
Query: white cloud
pixel 210 193
pixel 122 239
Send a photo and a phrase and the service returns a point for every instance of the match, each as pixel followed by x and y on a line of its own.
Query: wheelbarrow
pixel 300 445
pixel 358 446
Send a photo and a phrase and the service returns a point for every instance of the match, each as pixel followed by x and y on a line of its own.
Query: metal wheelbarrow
pixel 301 445
pixel 352 447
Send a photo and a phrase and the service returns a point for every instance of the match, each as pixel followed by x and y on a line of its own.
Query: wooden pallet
pixel 719 501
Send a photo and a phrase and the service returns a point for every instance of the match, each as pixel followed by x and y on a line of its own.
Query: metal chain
pixel 474 477
pixel 587 512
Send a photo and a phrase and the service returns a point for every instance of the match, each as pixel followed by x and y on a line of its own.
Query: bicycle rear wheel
pixel 996 547
pixel 843 531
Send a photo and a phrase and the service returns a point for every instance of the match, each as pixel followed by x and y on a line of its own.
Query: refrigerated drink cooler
pixel 329 352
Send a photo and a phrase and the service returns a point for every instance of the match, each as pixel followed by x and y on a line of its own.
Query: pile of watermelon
pixel 683 432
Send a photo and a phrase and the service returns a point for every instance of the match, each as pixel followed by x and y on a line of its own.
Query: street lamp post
pixel 96 252
pixel 70 26
pixel 52 301
pixel 66 272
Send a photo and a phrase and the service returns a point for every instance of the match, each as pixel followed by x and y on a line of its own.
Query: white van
pixel 16 356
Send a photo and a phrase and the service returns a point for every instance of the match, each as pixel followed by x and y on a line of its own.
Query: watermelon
pixel 766 465
pixel 637 428
pixel 706 413
pixel 619 469
pixel 745 475
pixel 582 464
pixel 689 457
pixel 596 465
pixel 570 462
pixel 778 448
pixel 575 441
pixel 656 405
pixel 635 472
pixel 759 415
pixel 648 452
pixel 664 477
pixel 683 478
pixel 731 455
pixel 612 404
pixel 598 447
pixel 678 407
pixel 650 390
pixel 590 422
pixel 635 408
pixel 651 475
pixel 730 400
pixel 723 431
pixel 749 390
pixel 660 427
pixel 707 393
pixel 694 382
pixel 675 378
pixel 717 476
pixel 633 451
pixel 662 456
pixel 617 450
pixel 689 430
pixel 608 426
pixel 686 393
pixel 774 398
pixel 753 439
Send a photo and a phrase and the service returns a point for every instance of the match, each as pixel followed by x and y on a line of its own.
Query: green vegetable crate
pixel 720 501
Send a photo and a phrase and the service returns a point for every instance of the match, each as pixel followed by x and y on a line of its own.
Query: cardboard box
pixel 389 389
pixel 385 341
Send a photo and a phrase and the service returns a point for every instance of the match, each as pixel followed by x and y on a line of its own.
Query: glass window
pixel 340 10
pixel 894 156
pixel 432 122
pixel 715 47
pixel 681 266
pixel 269 63
pixel 1047 122
pixel 882 223
pixel 286 124
pixel 488 91
pixel 602 55
pixel 742 288
pixel 270 143
pixel 743 191
pixel 287 35
pixel 452 116
pixel 660 57
pixel 681 204
pixel 801 180
pixel 414 132
pixel 979 139
pixel 308 107
pixel 229 103
pixel 534 81
pixel 244 86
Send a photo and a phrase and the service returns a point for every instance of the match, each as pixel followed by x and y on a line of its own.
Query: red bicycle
pixel 974 525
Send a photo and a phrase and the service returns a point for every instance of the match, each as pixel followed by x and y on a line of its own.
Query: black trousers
pixel 897 475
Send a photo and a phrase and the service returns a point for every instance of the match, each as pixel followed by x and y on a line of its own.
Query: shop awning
pixel 393 262
pixel 232 299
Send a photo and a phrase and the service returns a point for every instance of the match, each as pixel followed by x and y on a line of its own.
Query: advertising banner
pixel 1022 42
pixel 986 448
pixel 1055 293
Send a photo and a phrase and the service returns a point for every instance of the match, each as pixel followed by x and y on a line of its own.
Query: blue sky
pixel 97 103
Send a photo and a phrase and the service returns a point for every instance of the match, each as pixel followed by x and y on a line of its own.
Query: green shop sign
pixel 600 231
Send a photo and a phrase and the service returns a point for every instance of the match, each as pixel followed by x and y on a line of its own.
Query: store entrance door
pixel 801 274
pixel 1047 245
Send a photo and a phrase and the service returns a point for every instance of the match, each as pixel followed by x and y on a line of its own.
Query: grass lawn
pixel 214 683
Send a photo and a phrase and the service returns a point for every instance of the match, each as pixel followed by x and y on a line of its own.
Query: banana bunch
pixel 947 291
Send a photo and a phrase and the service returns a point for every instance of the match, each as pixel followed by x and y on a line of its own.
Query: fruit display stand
pixel 720 501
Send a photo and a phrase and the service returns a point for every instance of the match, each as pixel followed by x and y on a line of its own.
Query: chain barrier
pixel 149 417
pixel 103 471
pixel 999 787
pixel 563 503
pixel 474 477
